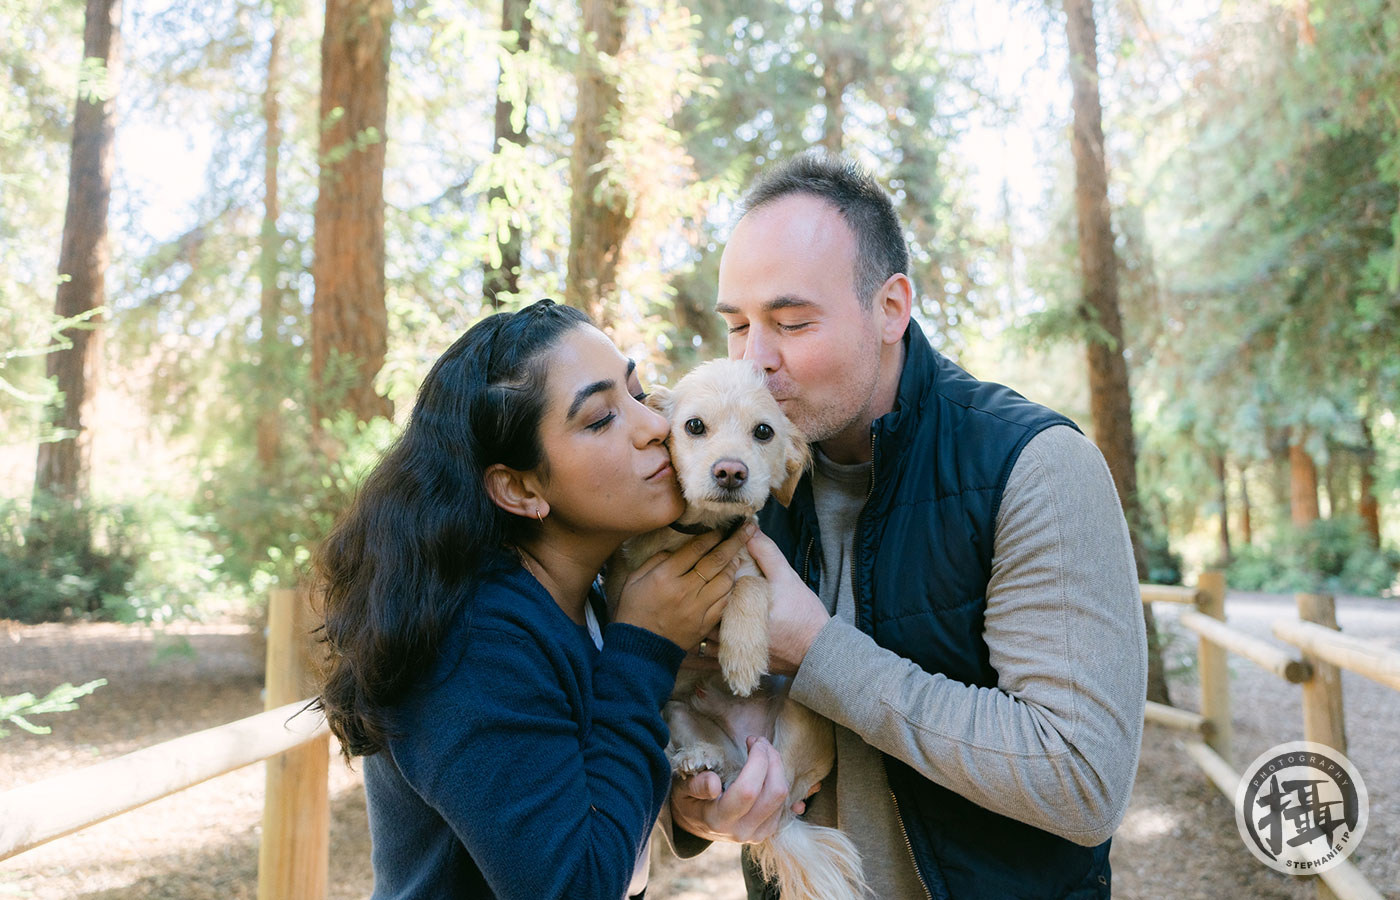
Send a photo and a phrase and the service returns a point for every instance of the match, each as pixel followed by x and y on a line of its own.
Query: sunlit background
pixel 1253 163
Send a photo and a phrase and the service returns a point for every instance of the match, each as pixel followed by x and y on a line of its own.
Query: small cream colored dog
pixel 732 448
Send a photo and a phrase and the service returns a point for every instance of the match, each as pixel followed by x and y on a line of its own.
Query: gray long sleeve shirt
pixel 1055 744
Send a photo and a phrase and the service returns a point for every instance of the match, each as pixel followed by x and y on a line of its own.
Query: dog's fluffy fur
pixel 732 448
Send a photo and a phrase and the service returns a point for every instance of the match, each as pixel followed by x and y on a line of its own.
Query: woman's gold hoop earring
pixel 538 516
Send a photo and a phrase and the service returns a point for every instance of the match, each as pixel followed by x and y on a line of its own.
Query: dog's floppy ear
pixel 662 400
pixel 799 457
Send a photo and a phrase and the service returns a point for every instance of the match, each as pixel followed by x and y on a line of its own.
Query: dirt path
pixel 1177 841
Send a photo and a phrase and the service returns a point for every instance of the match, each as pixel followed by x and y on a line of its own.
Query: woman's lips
pixel 661 472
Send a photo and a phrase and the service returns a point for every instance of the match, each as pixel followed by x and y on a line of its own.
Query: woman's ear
pixel 515 492
pixel 798 458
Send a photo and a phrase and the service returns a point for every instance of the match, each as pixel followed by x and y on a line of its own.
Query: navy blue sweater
pixel 530 764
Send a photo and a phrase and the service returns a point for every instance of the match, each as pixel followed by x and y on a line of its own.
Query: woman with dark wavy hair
pixel 512 735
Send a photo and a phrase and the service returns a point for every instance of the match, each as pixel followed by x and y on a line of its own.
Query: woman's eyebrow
pixel 589 390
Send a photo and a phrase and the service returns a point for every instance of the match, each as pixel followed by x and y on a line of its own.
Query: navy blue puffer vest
pixel 922 561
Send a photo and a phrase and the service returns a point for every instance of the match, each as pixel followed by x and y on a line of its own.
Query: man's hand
pixel 748 812
pixel 796 616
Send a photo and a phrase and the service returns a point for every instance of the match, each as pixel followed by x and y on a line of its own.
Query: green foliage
pixel 18 708
pixel 1331 555
pixel 266 528
pixel 1163 563
pixel 151 562
pixel 59 562
pixel 94 85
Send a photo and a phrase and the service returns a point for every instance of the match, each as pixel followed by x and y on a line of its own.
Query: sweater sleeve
pixel 546 807
pixel 1055 744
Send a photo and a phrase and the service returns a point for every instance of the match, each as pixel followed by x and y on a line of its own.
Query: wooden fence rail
pixel 37 813
pixel 1323 653
pixel 293 863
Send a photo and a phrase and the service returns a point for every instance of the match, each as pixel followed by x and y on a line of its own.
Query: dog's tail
pixel 811 862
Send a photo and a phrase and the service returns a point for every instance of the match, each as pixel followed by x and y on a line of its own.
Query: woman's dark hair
pixel 398 565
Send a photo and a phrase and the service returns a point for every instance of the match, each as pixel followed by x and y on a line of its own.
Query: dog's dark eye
pixel 764 432
pixel 695 427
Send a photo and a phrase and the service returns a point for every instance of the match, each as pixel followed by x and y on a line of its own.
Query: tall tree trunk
pixel 62 466
pixel 1302 484
pixel 1335 484
pixel 503 280
pixel 1246 511
pixel 269 431
pixel 1223 497
pixel 349 322
pixel 835 78
pixel 598 217
pixel 1369 506
pixel 1109 398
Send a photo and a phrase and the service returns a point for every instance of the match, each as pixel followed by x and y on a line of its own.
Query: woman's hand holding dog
pixel 681 595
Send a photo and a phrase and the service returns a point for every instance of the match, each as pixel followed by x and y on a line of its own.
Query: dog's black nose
pixel 730 473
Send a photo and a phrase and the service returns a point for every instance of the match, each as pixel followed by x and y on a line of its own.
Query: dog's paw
pixel 742 671
pixel 693 760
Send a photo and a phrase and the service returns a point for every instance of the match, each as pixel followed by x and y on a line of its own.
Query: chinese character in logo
pixel 1310 816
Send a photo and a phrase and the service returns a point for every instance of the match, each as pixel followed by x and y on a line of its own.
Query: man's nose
pixel 730 473
pixel 761 351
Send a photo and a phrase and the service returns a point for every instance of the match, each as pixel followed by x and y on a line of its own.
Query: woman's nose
pixel 653 428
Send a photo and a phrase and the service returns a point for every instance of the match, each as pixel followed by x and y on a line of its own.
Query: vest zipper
pixel 807 563
pixel 908 845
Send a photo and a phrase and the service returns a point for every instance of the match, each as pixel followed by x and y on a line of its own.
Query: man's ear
pixel 799 457
pixel 515 492
pixel 896 303
pixel 662 400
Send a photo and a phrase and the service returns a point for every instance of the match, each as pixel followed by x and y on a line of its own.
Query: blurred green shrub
pixel 1330 555
pixel 58 562
pixel 152 563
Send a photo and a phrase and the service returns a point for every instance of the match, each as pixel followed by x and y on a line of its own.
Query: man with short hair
pixel 953 582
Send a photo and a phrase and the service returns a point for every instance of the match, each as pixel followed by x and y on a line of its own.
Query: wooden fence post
pixel 1323 720
pixel 1214 664
pixel 294 859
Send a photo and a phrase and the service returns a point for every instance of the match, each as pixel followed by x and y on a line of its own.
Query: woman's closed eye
pixel 602 422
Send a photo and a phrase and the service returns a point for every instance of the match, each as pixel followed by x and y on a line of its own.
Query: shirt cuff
pixel 646 644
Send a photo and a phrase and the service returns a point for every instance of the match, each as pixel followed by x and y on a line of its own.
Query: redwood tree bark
pixel 1246 511
pixel 503 280
pixel 349 323
pixel 269 432
pixel 1109 397
pixel 1368 506
pixel 1223 497
pixel 836 78
pixel 62 466
pixel 1302 484
pixel 598 219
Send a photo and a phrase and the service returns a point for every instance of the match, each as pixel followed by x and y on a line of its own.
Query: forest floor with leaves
pixel 1178 839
